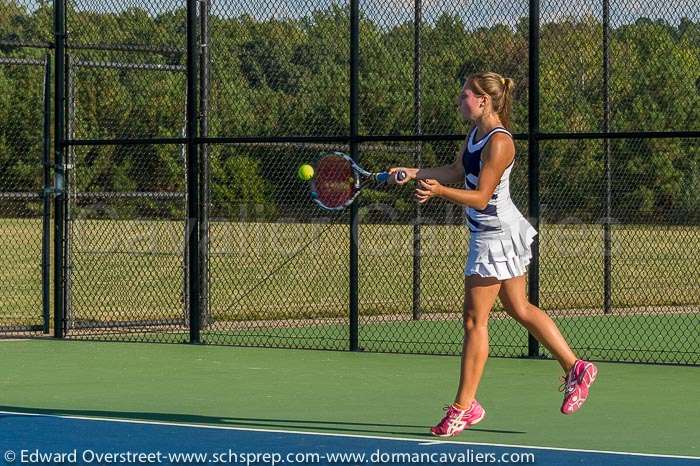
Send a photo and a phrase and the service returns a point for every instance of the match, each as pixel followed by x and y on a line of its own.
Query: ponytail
pixel 506 102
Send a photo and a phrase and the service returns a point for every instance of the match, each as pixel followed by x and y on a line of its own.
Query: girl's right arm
pixel 446 174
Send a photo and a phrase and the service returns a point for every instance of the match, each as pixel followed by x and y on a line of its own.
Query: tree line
pixel 277 77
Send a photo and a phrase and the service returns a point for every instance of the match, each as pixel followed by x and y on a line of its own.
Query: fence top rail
pixel 124 48
pixel 27 44
pixel 20 61
pixel 22 195
pixel 135 194
pixel 346 139
pixel 130 66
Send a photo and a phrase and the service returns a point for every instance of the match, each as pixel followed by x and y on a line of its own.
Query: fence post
pixel 59 171
pixel 418 19
pixel 607 246
pixel 193 207
pixel 534 161
pixel 46 198
pixel 69 160
pixel 204 157
pixel 355 154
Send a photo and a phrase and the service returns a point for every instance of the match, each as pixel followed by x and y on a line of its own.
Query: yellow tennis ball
pixel 306 172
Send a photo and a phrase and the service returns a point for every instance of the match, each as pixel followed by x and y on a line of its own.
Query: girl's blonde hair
pixel 499 88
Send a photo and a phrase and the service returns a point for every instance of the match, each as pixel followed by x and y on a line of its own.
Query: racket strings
pixel 335 181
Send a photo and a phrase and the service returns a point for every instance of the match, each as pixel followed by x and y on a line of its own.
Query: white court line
pixel 404 439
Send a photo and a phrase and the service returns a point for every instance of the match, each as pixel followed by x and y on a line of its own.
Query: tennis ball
pixel 306 172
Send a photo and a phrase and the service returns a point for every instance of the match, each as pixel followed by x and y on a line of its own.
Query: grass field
pixel 134 270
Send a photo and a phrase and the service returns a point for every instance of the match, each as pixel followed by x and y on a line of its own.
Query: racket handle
pixel 386 177
pixel 382 177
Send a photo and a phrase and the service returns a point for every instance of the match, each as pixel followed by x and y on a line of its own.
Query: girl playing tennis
pixel 499 248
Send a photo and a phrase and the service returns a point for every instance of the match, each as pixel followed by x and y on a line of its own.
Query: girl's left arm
pixel 498 154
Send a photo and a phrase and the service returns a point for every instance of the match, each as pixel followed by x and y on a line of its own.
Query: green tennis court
pixel 170 283
pixel 633 408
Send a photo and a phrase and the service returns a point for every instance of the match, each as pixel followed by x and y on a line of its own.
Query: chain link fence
pixel 25 106
pixel 126 250
pixel 278 82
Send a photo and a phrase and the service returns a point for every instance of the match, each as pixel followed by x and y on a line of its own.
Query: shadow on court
pixel 284 424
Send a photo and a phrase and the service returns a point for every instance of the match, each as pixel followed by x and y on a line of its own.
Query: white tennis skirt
pixel 504 255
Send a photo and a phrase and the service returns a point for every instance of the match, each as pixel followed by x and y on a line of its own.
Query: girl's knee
pixel 521 312
pixel 473 321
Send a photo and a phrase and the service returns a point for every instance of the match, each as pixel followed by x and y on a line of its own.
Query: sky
pixel 474 13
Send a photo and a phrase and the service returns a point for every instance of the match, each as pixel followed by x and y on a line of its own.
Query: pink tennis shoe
pixel 576 384
pixel 456 420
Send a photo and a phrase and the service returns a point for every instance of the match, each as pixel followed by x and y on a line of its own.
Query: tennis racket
pixel 338 180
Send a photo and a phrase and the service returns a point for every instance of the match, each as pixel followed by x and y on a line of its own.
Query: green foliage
pixel 239 190
pixel 291 77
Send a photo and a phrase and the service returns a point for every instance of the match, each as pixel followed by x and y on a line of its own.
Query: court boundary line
pixel 403 439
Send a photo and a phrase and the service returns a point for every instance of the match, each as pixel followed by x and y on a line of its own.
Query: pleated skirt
pixel 502 255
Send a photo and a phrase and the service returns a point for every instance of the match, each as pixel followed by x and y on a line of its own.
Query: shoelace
pixel 455 410
pixel 450 416
pixel 448 408
pixel 567 385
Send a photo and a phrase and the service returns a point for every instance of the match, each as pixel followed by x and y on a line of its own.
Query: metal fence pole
pixel 59 178
pixel 46 198
pixel 534 160
pixel 355 154
pixel 193 207
pixel 418 14
pixel 69 159
pixel 204 157
pixel 607 246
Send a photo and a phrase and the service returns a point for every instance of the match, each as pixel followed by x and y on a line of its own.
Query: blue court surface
pixel 46 439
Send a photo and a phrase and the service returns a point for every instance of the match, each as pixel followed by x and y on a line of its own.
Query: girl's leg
pixel 537 322
pixel 479 296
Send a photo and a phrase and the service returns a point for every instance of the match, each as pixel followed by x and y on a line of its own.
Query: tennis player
pixel 499 248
